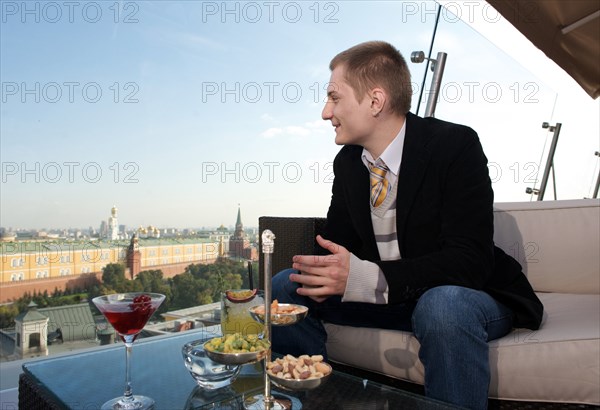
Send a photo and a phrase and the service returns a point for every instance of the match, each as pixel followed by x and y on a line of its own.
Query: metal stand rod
pixel 597 179
pixel 436 82
pixel 550 161
pixel 268 246
pixel 437 20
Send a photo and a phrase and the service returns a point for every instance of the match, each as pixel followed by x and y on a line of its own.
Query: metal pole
pixel 436 82
pixel 437 20
pixel 597 180
pixel 550 161
pixel 268 246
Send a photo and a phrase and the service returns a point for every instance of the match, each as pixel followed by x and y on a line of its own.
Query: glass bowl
pixel 207 373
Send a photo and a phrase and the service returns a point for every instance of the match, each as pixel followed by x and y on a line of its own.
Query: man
pixel 409 234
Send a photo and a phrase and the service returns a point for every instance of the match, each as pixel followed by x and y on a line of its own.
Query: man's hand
pixel 322 276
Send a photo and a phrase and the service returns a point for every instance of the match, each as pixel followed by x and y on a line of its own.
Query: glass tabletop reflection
pixel 86 380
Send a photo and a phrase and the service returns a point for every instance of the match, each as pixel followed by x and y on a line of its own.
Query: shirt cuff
pixel 366 283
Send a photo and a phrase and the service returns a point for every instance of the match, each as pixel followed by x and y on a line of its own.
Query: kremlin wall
pixel 38 266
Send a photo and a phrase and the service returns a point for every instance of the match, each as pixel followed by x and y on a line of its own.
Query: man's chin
pixel 339 140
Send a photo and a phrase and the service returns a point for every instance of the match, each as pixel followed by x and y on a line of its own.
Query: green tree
pixel 186 291
pixel 113 276
pixel 217 277
pixel 7 315
pixel 153 281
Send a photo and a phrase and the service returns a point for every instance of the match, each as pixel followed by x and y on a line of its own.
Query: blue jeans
pixel 453 325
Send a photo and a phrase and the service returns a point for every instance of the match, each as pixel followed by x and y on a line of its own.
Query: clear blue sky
pixel 178 111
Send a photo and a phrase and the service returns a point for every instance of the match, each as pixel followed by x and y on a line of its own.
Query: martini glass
pixel 128 314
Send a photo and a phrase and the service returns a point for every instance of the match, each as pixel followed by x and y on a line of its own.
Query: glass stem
pixel 128 395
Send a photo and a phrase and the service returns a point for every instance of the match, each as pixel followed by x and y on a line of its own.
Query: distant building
pixel 149 232
pixel 7 236
pixel 31 333
pixel 134 257
pixel 42 332
pixel 113 225
pixel 39 266
pixel 221 235
pixel 239 244
pixel 103 232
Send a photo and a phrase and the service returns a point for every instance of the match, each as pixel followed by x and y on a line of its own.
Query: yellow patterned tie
pixel 379 184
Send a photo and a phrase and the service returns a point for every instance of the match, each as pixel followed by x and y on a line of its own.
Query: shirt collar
pixel 392 155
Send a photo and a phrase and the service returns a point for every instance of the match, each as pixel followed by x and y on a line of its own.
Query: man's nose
pixel 326 114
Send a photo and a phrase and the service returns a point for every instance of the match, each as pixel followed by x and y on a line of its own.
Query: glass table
pixel 86 380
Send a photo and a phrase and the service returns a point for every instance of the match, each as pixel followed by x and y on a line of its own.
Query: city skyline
pixel 128 228
pixel 179 111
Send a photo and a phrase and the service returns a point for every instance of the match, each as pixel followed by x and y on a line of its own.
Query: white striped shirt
pixel 366 282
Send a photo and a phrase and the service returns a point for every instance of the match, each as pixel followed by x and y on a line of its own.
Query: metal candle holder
pixel 268 244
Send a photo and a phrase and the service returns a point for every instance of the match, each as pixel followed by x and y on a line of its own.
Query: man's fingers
pixel 314 260
pixel 329 245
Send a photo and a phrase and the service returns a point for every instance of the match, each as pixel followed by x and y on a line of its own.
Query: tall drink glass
pixel 235 317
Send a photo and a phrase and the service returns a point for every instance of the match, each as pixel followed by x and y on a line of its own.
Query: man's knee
pixel 442 309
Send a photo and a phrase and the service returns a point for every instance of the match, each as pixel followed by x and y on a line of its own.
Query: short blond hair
pixel 377 64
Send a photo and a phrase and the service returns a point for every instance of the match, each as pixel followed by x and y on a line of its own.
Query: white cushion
pixel 556 242
pixel 560 362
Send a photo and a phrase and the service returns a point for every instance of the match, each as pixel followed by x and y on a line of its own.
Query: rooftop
pixel 75 321
pixel 31 314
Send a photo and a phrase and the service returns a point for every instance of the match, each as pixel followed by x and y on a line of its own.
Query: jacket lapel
pixel 359 204
pixel 415 157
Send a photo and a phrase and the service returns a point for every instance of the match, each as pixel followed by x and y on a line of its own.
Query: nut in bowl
pixel 237 349
pixel 298 374
pixel 282 314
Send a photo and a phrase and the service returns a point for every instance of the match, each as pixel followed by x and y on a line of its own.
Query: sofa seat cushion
pixel 560 362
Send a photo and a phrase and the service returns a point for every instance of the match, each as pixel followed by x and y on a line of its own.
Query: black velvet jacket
pixel 444 219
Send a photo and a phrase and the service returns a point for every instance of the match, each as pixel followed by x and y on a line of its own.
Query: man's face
pixel 353 120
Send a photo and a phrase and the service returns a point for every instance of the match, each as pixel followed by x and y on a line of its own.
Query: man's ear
pixel 378 101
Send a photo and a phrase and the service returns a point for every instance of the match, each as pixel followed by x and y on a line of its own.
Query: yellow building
pixel 155 253
pixel 30 261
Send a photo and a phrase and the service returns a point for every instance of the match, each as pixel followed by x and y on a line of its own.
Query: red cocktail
pixel 129 318
pixel 128 313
